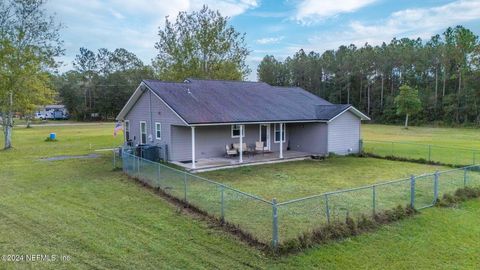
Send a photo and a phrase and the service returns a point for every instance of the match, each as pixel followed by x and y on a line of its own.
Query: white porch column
pixel 193 148
pixel 241 145
pixel 281 140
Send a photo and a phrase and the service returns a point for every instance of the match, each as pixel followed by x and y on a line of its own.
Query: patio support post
pixel 193 148
pixel 281 140
pixel 240 155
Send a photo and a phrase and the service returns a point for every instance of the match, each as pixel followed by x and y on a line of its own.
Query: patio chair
pixel 260 146
pixel 230 151
pixel 236 146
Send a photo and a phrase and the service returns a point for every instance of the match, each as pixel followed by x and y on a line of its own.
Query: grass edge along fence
pixel 454 156
pixel 275 223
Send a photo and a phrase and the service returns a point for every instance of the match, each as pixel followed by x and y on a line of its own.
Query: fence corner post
pixel 274 224
pixel 465 176
pixel 412 191
pixel 435 187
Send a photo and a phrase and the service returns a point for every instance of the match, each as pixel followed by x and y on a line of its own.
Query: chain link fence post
pixel 474 157
pixel 465 176
pixel 274 224
pixel 429 153
pixel 327 209
pixel 222 204
pixel 374 201
pixel 185 186
pixel 412 191
pixel 435 187
pixel 159 176
pixel 114 159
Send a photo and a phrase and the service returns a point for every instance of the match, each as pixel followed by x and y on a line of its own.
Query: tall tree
pixel 29 41
pixel 407 102
pixel 446 69
pixel 200 44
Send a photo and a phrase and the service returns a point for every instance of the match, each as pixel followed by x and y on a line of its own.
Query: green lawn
pixel 459 146
pixel 292 180
pixel 103 220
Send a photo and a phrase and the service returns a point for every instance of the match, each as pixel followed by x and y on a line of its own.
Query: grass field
pixel 103 220
pixel 292 180
pixel 460 146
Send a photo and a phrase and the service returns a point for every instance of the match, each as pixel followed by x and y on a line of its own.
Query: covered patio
pixel 217 163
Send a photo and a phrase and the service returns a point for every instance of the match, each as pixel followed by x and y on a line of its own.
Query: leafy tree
pixel 29 41
pixel 101 83
pixel 202 45
pixel 407 102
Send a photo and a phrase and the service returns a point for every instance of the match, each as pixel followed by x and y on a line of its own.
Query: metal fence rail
pixel 432 153
pixel 273 222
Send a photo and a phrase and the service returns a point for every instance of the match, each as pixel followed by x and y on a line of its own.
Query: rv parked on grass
pixel 56 112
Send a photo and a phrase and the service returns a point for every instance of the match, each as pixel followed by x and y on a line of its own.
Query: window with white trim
pixel 158 131
pixel 236 131
pixel 277 133
pixel 143 132
pixel 127 130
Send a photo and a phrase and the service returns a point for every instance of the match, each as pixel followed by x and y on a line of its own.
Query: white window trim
pixel 283 132
pixel 127 130
pixel 146 137
pixel 157 124
pixel 237 136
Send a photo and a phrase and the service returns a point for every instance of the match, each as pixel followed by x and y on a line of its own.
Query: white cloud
pixel 308 11
pixel 129 24
pixel 270 40
pixel 412 23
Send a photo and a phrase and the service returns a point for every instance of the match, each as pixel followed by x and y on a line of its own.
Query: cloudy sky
pixel 278 27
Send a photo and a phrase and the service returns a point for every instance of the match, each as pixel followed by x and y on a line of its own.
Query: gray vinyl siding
pixel 180 148
pixel 309 137
pixel 210 141
pixel 160 113
pixel 344 134
pixel 275 146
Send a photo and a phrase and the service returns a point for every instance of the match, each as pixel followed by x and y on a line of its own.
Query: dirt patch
pixel 70 157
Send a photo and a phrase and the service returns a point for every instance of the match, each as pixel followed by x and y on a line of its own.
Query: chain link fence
pixel 272 222
pixel 427 152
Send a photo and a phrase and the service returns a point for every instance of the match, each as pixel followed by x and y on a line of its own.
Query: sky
pixel 278 28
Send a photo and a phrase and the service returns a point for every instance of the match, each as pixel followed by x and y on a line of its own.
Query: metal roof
pixel 217 101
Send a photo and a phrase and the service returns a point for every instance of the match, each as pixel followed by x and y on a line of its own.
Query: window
pixel 236 131
pixel 277 133
pixel 158 131
pixel 143 132
pixel 127 130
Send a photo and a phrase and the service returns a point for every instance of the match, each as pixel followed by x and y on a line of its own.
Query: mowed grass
pixel 459 146
pixel 103 220
pixel 292 180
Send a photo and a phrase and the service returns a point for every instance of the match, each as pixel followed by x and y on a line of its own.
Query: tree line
pixel 445 70
pixel 199 44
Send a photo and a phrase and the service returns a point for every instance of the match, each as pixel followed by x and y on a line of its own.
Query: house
pixel 198 120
